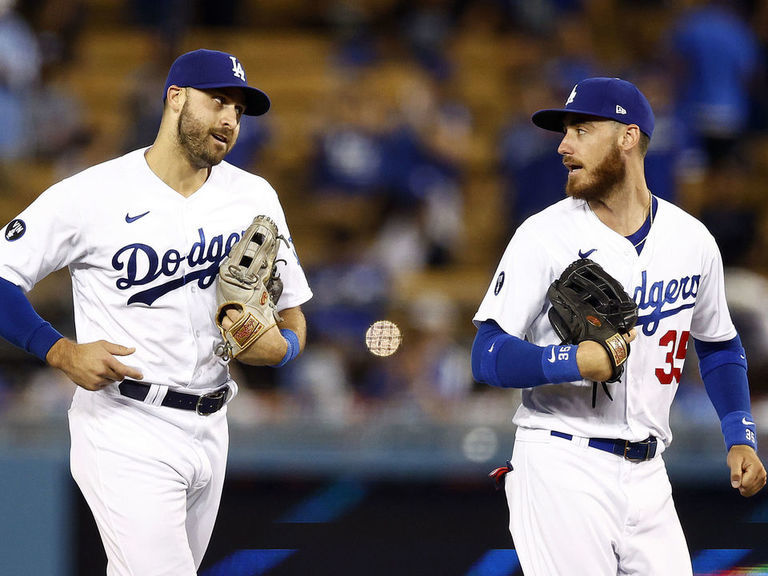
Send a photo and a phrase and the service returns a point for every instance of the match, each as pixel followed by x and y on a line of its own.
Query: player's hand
pixel 93 365
pixel 268 350
pixel 593 360
pixel 747 471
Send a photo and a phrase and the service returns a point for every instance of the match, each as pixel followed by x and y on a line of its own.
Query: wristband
pixel 293 346
pixel 739 428
pixel 559 364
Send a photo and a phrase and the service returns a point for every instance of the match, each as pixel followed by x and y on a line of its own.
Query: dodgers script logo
pixel 143 265
pixel 677 295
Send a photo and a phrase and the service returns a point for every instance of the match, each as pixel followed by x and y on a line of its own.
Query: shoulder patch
pixel 15 230
pixel 499 283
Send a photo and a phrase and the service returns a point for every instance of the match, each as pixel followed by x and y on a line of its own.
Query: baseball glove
pixel 589 304
pixel 248 282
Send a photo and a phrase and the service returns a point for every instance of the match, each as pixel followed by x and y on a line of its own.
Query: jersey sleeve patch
pixel 15 230
pixel 499 283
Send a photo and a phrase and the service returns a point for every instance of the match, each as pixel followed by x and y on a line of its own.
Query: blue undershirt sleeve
pixel 506 361
pixel 21 325
pixel 723 367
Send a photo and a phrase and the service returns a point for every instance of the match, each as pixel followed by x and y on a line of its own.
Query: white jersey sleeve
pixel 711 320
pixel 517 293
pixel 43 238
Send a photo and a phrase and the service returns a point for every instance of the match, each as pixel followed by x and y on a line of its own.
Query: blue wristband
pixel 739 428
pixel 293 346
pixel 559 364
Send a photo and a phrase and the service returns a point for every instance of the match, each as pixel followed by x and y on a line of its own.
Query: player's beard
pixel 605 177
pixel 194 138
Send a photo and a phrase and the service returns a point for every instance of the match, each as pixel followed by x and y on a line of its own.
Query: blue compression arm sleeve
pixel 503 360
pixel 21 325
pixel 723 367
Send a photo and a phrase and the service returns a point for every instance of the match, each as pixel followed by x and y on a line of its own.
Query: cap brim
pixel 256 101
pixel 549 119
pixel 553 119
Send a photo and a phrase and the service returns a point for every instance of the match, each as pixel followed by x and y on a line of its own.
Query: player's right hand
pixel 92 365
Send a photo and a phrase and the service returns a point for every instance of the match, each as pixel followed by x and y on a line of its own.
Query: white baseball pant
pixel 152 476
pixel 578 511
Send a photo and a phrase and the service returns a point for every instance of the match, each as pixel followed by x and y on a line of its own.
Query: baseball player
pixel 143 236
pixel 587 487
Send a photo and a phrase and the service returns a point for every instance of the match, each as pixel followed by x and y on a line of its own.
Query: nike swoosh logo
pixel 491 348
pixel 747 422
pixel 129 218
pixel 552 356
pixel 587 253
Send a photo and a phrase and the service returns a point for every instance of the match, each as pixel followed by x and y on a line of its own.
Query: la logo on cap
pixel 237 68
pixel 572 97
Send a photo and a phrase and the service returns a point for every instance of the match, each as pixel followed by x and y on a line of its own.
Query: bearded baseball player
pixel 145 238
pixel 591 311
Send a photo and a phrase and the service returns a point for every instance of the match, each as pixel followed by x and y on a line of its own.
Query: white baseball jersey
pixel 144 259
pixel 677 282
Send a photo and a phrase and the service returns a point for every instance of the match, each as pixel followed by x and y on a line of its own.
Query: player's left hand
pixel 747 471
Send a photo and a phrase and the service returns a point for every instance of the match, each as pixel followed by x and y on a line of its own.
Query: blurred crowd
pixel 404 165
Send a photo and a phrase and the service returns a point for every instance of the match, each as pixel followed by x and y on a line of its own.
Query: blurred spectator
pixel 426 156
pixel 57 126
pixel 144 93
pixel 532 172
pixel 572 55
pixel 58 24
pixel 539 17
pixel 729 213
pixel 441 379
pixel 170 19
pixel 350 291
pixel 429 376
pixel 355 40
pixel 20 64
pixel 425 27
pixel 348 153
pixel 716 54
pixel 664 160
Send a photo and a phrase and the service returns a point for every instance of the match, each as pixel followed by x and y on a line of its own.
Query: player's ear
pixel 630 136
pixel 175 97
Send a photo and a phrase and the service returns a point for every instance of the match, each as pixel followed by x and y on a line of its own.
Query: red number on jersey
pixel 676 351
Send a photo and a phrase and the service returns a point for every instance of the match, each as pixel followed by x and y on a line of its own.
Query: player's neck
pixel 179 175
pixel 625 210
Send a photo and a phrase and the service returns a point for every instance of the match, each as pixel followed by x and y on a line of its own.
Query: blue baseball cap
pixel 206 69
pixel 611 98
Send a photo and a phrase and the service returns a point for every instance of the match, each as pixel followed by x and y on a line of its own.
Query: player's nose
pixel 230 117
pixel 565 146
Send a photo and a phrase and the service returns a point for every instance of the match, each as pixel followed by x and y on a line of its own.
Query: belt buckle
pixel 215 395
pixel 628 445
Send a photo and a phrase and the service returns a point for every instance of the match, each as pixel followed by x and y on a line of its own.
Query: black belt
pixel 204 404
pixel 632 451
